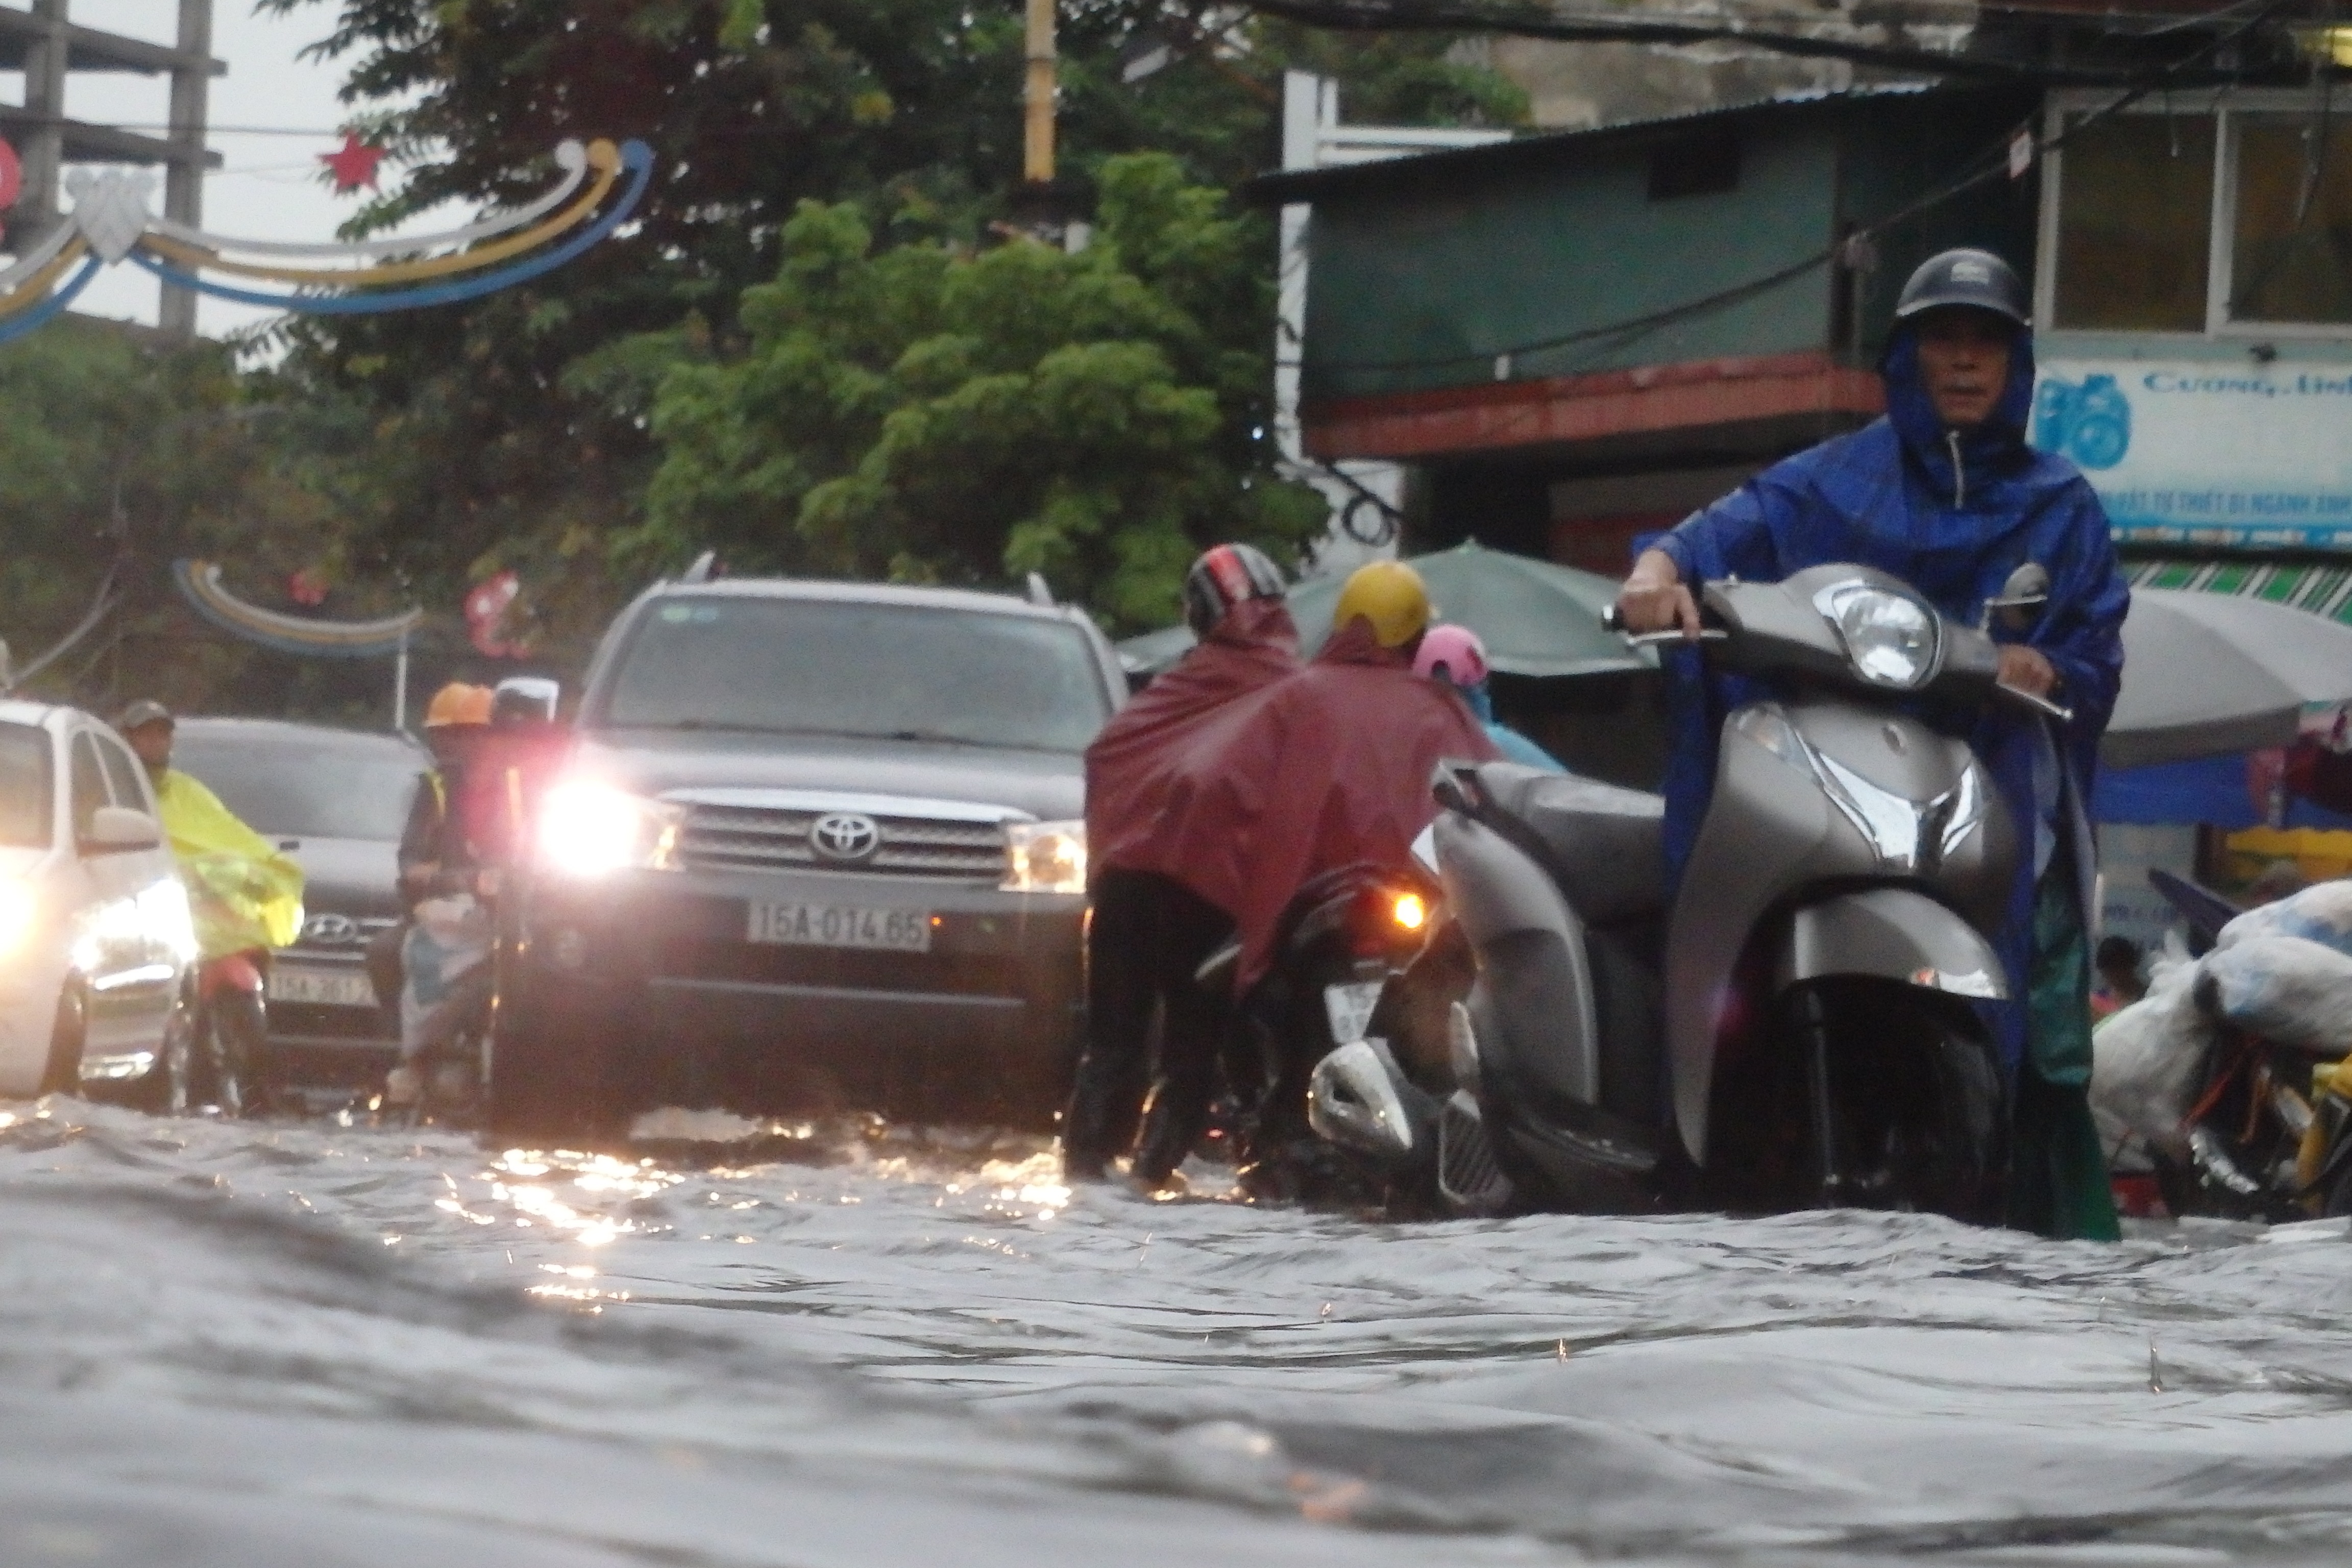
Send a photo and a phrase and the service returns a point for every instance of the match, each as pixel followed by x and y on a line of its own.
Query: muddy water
pixel 315 1345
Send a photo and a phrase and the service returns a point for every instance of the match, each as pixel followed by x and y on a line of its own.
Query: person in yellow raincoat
pixel 247 898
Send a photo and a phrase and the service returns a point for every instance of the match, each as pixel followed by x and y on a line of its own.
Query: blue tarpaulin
pixel 2207 790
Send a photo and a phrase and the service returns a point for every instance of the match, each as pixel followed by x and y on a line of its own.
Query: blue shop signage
pixel 2192 453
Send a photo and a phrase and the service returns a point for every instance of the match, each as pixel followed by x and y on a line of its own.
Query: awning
pixel 2322 589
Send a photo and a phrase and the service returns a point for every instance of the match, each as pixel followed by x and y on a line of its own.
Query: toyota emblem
pixel 844 836
pixel 331 930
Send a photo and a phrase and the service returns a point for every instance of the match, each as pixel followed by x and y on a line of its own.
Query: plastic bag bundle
pixel 2285 988
pixel 2146 1062
pixel 450 941
pixel 2320 913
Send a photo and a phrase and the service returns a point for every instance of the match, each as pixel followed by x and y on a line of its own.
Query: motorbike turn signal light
pixel 1410 911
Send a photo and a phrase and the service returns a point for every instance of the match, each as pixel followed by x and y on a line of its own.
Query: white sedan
pixel 95 938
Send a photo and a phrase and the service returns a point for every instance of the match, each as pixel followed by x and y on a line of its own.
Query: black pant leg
pixel 1193 1040
pixel 1107 1095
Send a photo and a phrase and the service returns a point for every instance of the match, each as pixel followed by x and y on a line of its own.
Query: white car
pixel 95 938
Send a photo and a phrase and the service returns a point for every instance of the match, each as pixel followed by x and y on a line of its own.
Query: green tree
pixel 118 456
pixel 940 416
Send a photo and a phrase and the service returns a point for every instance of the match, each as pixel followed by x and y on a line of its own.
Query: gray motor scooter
pixel 1799 1030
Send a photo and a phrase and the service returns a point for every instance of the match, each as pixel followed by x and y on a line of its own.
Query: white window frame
pixel 2225 106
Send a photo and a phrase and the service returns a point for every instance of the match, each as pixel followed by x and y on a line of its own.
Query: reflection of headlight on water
pixel 588 829
pixel 1045 858
pixel 1890 638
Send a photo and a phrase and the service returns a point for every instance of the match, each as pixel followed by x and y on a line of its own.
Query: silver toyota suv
pixel 815 845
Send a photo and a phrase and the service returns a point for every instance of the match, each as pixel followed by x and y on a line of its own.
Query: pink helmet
pixel 1456 651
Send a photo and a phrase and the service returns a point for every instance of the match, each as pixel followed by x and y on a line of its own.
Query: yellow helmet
pixel 458 703
pixel 1389 593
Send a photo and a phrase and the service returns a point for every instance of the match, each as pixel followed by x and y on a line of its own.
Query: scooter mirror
pixel 1455 788
pixel 2027 590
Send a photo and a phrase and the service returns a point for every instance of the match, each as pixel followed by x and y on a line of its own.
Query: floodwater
pixel 314 1345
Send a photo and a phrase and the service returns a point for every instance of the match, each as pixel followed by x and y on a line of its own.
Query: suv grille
pixel 735 837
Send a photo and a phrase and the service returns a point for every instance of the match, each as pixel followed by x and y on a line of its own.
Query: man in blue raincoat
pixel 1944 494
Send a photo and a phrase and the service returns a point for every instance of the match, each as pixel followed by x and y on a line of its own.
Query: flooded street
pixel 316 1345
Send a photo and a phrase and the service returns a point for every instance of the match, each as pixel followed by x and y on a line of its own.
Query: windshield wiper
pixel 722 727
pixel 936 737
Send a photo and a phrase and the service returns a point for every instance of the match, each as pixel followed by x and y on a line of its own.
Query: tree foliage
pixel 936 416
pixel 118 456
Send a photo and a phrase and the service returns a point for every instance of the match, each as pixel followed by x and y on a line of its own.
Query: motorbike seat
pixel 1604 845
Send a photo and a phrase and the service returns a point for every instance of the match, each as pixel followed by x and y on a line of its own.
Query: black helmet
pixel 1224 576
pixel 1976 278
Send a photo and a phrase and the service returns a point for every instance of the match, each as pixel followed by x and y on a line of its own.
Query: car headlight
pixel 1045 858
pixel 18 908
pixel 1890 639
pixel 587 830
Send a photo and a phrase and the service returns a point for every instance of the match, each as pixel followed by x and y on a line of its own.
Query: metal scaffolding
pixel 44 43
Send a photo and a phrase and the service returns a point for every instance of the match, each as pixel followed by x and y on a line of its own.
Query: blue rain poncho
pixel 1952 514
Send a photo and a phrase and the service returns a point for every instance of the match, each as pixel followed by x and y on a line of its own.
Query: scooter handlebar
pixel 2039 704
pixel 1663 639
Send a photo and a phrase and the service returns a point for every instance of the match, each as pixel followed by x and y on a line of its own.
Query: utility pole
pixel 1037 138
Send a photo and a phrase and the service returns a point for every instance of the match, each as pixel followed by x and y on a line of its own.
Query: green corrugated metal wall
pixel 1419 286
pixel 1535 254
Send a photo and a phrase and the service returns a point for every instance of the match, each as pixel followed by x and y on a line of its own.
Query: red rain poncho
pixel 1328 768
pixel 1251 649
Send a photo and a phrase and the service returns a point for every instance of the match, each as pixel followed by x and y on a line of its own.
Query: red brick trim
pixel 1571 408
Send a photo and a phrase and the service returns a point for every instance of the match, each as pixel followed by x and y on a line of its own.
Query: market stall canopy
pixel 2209 673
pixel 1535 617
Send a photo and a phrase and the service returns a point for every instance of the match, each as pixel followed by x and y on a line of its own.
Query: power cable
pixel 1514 19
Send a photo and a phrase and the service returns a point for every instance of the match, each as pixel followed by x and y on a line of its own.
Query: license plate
pixel 841 925
pixel 325 987
pixel 1349 1008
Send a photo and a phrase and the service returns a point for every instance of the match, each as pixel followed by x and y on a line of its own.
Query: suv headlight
pixel 1890 639
pixel 588 829
pixel 1045 858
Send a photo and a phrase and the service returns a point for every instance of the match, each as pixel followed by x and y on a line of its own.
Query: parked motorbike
pixel 1343 939
pixel 216 1047
pixel 1803 1018
pixel 2268 1135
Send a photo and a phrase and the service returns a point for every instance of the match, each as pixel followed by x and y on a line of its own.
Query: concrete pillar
pixel 43 152
pixel 184 178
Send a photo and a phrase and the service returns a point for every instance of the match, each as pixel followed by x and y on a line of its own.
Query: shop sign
pixel 2189 453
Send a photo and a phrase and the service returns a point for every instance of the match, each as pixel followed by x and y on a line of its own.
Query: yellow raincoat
pixel 243 891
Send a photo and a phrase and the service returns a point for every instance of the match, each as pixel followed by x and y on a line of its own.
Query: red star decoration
pixel 353 163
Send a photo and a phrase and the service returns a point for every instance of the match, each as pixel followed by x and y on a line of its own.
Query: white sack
pixel 2320 913
pixel 2284 988
pixel 2147 1061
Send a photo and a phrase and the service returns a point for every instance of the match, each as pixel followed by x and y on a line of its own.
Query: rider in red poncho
pixel 1149 932
pixel 1326 768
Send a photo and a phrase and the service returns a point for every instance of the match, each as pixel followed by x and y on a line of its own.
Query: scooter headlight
pixel 1890 639
pixel 1045 858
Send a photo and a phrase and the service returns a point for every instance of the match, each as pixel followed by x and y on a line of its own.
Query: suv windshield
pixel 884 671
pixel 286 787
pixel 24 785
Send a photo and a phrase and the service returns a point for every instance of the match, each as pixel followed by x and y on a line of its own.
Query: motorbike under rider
pixel 1456 656
pixel 1944 494
pixel 244 895
pixel 437 962
pixel 1148 932
pixel 1328 768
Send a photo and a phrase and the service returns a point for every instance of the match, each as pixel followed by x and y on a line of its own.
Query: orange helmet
pixel 459 702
